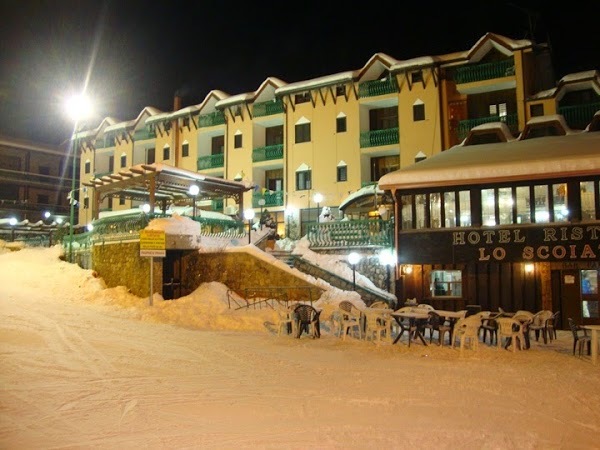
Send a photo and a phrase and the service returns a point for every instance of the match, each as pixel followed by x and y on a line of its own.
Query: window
pixel 274 135
pixel 416 77
pixel 435 210
pixel 88 167
pixel 498 110
pixel 340 91
pixel 238 111
pixel 166 153
pixel 488 207
pixel 150 156
pixel 303 179
pixel 237 141
pixel 446 283
pixel 86 202
pixel 340 124
pixel 587 193
pixel 589 293
pixel 302 133
pixel 342 173
pixel 418 112
pixel 185 149
pixel 217 145
pixel 561 213
pixel 123 161
pixel 383 118
pixel 536 110
pixel 111 163
pixel 186 122
pixel 121 200
pixel 302 98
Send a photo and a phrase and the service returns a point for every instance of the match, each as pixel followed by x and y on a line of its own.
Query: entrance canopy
pixel 164 184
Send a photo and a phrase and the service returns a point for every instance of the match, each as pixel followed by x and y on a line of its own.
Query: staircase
pixel 284 256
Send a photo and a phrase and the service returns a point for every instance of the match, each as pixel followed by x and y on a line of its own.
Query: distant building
pixel 35 181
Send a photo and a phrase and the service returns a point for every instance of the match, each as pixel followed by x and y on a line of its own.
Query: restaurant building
pixel 499 222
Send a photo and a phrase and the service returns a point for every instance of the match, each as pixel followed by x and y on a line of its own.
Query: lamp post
pixel 194 189
pixel 78 107
pixel 249 215
pixel 318 198
pixel 353 259
pixel 388 259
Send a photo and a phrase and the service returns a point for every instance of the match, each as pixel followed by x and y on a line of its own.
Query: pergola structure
pixel 163 185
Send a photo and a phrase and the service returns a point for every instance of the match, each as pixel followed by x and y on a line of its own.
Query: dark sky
pixel 137 53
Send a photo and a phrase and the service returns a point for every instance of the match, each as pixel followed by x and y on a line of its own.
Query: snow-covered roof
pixel 336 78
pixel 367 191
pixel 532 159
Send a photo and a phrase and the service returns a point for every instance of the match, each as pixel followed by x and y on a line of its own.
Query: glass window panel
pixel 542 214
pixel 559 196
pixel 446 283
pixel 420 203
pixel 407 212
pixel 435 210
pixel 488 204
pixel 449 205
pixel 589 282
pixel 464 198
pixel 586 190
pixel 523 202
pixel 505 203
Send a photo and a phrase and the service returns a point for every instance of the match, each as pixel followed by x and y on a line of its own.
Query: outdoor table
pixel 594 329
pixel 416 319
pixel 452 317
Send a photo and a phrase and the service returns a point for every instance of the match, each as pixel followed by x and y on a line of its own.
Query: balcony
pixel 268 108
pixel 487 71
pixel 511 120
pixel 351 233
pixel 211 161
pixel 144 134
pixel 268 153
pixel 377 87
pixel 212 119
pixel 579 116
pixel 378 138
pixel 273 198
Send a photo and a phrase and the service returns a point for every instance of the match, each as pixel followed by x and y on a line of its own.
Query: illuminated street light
pixel 78 107
pixel 249 216
pixel 353 259
pixel 318 198
pixel 194 189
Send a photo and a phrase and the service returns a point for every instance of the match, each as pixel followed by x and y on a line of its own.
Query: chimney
pixel 177 102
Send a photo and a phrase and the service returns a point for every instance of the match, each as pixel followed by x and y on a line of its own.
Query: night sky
pixel 134 54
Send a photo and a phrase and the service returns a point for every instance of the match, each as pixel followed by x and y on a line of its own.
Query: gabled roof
pixel 164 182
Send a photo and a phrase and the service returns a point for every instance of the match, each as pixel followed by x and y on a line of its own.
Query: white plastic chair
pixel 378 324
pixel 350 319
pixel 466 330
pixel 510 328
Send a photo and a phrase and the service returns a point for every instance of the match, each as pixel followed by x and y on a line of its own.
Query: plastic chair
pixel 579 340
pixel 437 323
pixel 350 319
pixel 512 329
pixel 467 330
pixel 553 325
pixel 539 324
pixel 286 320
pixel 307 320
pixel 378 324
pixel 489 326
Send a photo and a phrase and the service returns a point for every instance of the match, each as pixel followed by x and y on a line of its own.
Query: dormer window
pixel 302 98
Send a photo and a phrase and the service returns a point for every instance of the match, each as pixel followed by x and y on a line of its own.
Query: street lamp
pixel 318 198
pixel 249 216
pixel 194 189
pixel 79 108
pixel 353 259
pixel 388 259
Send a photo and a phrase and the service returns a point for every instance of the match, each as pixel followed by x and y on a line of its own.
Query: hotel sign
pixel 511 244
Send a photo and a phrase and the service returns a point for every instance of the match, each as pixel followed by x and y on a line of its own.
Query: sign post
pixel 152 244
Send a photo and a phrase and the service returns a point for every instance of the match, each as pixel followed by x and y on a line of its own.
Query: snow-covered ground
pixel 83 366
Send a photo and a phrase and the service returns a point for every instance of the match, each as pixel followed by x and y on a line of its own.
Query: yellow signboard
pixel 153 243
